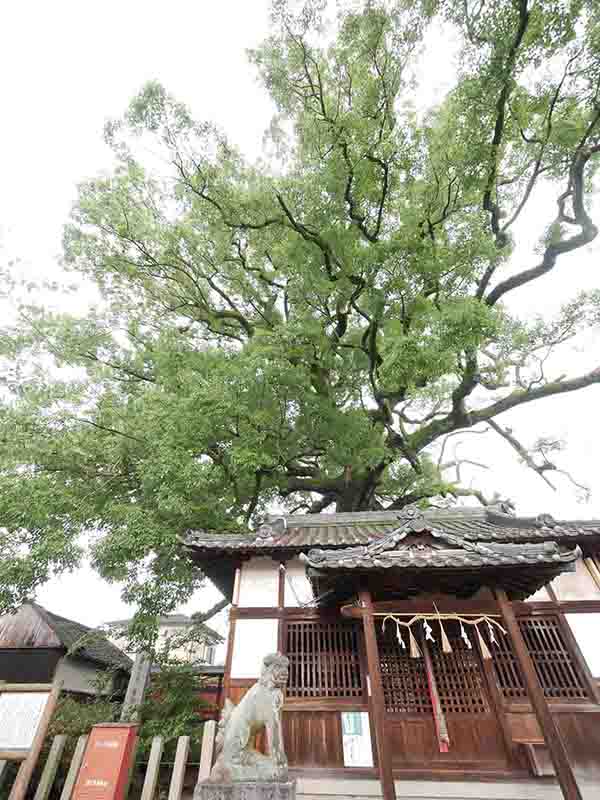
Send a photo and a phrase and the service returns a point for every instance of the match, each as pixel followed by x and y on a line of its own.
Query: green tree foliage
pixel 310 328
pixel 173 708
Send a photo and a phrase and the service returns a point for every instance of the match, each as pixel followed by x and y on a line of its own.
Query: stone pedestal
pixel 246 790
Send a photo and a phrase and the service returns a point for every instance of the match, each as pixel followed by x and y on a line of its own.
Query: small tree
pixel 310 329
pixel 172 708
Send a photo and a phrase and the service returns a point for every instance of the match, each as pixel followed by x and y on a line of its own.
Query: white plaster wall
pixel 586 629
pixel 541 596
pixel 578 585
pixel 298 590
pixel 252 641
pixel 259 584
pixel 79 676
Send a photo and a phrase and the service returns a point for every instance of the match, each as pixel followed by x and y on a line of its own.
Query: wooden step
pixel 367 789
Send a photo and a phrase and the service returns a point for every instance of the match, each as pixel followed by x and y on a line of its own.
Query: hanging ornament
pixel 415 651
pixel 446 647
pixel 399 637
pixel 485 653
pixel 491 632
pixel 428 631
pixel 464 636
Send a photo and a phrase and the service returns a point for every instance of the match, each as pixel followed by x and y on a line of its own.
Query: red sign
pixel 107 762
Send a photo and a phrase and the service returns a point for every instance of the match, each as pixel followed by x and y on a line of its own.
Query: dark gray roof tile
pixel 304 531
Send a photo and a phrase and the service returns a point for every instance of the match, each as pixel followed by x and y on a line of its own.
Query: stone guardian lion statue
pixel 237 759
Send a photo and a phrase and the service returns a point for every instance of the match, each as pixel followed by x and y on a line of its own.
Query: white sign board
pixel 356 736
pixel 20 714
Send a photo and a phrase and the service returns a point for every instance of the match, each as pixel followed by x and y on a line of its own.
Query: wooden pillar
pixel 136 688
pixel 377 702
pixel 550 732
pixel 231 635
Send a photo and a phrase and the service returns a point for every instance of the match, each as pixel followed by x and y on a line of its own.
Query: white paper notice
pixel 356 737
pixel 20 714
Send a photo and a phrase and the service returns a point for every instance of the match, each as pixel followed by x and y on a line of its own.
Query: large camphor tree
pixel 304 332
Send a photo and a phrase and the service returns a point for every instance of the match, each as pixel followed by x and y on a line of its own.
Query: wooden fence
pixel 151 777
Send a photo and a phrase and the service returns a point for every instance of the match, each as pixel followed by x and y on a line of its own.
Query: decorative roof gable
pixel 417 543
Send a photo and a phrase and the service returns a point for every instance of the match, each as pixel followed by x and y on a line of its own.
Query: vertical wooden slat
pixel 181 756
pixel 74 768
pixel 153 768
pixel 50 767
pixel 313 654
pixel 3 771
pixel 207 750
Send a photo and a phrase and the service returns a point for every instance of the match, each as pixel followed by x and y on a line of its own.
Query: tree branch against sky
pixel 310 330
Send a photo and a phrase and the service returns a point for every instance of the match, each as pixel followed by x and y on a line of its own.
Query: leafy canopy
pixel 309 329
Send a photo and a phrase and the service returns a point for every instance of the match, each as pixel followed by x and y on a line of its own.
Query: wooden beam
pixel 13 755
pixel 376 699
pixel 550 732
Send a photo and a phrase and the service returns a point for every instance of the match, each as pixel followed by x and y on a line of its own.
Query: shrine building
pixel 445 645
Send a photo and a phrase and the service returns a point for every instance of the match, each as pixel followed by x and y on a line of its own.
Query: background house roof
pixel 35 627
pixel 85 642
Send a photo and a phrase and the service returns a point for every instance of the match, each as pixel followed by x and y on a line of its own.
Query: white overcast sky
pixel 67 66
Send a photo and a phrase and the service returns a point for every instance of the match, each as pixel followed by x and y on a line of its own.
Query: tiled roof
pixel 83 641
pixel 304 531
pixel 444 552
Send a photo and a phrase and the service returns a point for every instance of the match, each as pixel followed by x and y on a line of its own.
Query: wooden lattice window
pixel 457 674
pixel 459 679
pixel 324 660
pixel 404 680
pixel 559 675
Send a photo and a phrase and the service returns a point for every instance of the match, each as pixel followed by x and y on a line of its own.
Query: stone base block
pixel 246 790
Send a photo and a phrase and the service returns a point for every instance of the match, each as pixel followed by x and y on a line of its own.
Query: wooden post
pixel 136 688
pixel 181 756
pixel 50 767
pixel 74 768
pixel 151 779
pixel 376 699
pixel 207 750
pixel 25 772
pixel 3 770
pixel 550 732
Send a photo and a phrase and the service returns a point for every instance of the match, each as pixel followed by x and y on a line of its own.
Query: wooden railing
pixel 152 767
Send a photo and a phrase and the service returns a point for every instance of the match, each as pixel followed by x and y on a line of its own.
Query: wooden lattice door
pixel 475 732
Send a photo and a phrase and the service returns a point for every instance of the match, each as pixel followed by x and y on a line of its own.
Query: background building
pixel 37 646
pixel 186 640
